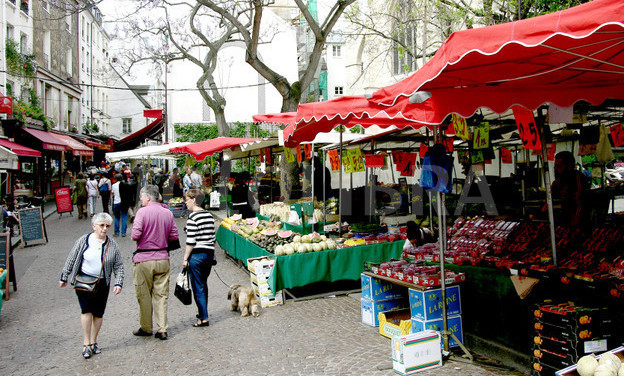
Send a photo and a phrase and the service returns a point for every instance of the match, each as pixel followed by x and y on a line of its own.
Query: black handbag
pixel 88 283
pixel 183 288
pixel 172 245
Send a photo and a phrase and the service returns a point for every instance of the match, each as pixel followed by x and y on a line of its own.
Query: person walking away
pixel 240 197
pixel 196 178
pixel 80 186
pixel 104 187
pixel 153 228
pixel 127 193
pixel 94 254
pixel 570 187
pixel 120 218
pixel 93 194
pixel 176 183
pixel 199 252
pixel 133 192
pixel 187 183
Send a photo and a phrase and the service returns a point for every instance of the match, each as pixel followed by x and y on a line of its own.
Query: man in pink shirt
pixel 153 227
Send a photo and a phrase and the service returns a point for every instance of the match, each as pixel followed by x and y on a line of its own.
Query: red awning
pixel 47 139
pixel 281 118
pixel 561 58
pixel 19 149
pixel 316 117
pixel 135 139
pixel 201 150
pixel 74 145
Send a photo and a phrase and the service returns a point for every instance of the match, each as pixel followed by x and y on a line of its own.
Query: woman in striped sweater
pixel 199 253
pixel 94 255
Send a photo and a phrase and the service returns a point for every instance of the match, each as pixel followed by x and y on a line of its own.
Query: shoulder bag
pixel 85 282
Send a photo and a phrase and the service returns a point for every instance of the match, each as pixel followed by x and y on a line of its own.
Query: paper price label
pixel 374 160
pixel 409 165
pixel 481 136
pixel 505 155
pixel 617 134
pixel 334 160
pixel 308 151
pixel 290 155
pixel 461 127
pixel 529 134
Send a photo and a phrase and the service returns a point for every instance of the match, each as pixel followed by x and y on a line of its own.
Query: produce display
pixel 305 243
pixel 416 273
pixel 176 201
pixel 280 211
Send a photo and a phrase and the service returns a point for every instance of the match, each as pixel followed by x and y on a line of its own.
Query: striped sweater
pixel 200 230
pixel 112 264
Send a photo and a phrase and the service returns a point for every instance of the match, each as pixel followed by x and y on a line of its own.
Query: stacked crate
pixel 566 332
pixel 426 310
pixel 260 269
pixel 379 296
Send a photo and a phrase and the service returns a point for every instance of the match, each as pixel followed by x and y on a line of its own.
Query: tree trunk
pixel 222 126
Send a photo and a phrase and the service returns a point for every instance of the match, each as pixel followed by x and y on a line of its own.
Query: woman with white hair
pixel 89 266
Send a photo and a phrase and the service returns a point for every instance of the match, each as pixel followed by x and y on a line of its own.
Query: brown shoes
pixel 142 333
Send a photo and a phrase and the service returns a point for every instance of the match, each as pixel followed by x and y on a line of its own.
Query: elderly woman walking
pixel 94 258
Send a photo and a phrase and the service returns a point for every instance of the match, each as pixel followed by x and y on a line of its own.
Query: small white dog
pixel 244 300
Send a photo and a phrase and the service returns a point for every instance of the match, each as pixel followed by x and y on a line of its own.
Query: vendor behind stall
pixel 240 196
pixel 417 236
pixel 571 188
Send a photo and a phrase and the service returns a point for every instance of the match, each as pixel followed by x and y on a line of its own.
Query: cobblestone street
pixel 40 329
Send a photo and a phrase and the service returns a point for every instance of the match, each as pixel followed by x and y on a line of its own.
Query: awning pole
pixel 324 205
pixel 340 188
pixel 549 203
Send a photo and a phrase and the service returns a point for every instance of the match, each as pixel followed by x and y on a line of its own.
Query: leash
pixel 217 274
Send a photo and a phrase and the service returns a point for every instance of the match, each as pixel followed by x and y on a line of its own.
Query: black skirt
pixel 94 302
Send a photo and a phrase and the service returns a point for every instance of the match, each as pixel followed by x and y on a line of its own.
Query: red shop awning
pixel 74 145
pixel 18 149
pixel 201 150
pixel 134 140
pixel 49 142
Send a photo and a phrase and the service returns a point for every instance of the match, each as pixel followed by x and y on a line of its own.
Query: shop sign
pixel 6 105
pixel 374 160
pixel 481 136
pixel 529 134
pixel 63 200
pixel 617 134
pixel 461 127
pixel 334 160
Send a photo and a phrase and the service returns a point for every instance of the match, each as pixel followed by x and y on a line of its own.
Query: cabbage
pixel 605 369
pixel 317 247
pixel 611 359
pixel 297 239
pixel 586 365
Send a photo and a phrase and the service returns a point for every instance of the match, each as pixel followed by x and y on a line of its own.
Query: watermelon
pixel 270 232
pixel 284 234
pixel 252 222
pixel 236 217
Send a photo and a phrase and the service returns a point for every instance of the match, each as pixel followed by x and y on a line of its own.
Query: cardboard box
pixel 272 300
pixel 262 289
pixel 454 325
pixel 395 323
pixel 372 309
pixel 261 266
pixel 377 289
pixel 416 352
pixel 427 305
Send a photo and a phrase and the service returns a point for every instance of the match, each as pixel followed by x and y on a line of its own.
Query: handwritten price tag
pixel 308 151
pixel 397 158
pixel 529 134
pixel 334 160
pixel 267 154
pixel 424 148
pixel 409 165
pixel 290 155
pixel 461 127
pixel 357 160
pixel 298 153
pixel 617 134
pixel 505 155
pixel 481 136
pixel 374 160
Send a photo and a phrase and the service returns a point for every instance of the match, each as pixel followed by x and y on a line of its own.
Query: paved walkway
pixel 40 330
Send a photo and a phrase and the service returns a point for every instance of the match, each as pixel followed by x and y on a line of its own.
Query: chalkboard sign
pixel 63 200
pixel 6 263
pixel 32 227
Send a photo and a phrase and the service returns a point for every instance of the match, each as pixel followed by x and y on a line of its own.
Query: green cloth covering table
pixel 303 269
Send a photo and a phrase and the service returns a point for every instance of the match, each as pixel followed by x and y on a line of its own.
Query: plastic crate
pixel 178 211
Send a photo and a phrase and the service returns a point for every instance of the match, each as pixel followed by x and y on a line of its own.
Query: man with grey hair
pixel 153 227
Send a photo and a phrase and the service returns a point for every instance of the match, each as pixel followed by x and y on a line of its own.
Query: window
pixel 126 125
pixel 337 51
pixel 10 31
pixel 338 90
pixel 23 43
pixel 46 49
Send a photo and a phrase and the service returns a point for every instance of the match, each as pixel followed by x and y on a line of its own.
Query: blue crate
pixel 454 325
pixel 377 289
pixel 427 305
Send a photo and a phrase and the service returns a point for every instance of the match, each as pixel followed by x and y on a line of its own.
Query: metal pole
pixel 442 240
pixel 312 163
pixel 324 193
pixel 551 217
pixel 340 188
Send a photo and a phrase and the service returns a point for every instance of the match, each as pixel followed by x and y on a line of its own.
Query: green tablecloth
pixel 303 269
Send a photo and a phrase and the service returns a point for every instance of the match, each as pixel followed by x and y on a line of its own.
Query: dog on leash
pixel 244 300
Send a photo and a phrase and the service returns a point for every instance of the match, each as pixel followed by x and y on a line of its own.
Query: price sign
pixel 481 136
pixel 374 160
pixel 617 134
pixel 357 160
pixel 409 165
pixel 298 153
pixel 529 134
pixel 334 160
pixel 308 151
pixel 461 127
pixel 424 148
pixel 267 155
pixel 448 144
pixel 397 158
pixel 476 157
pixel 290 155
pixel 346 162
pixel 505 155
